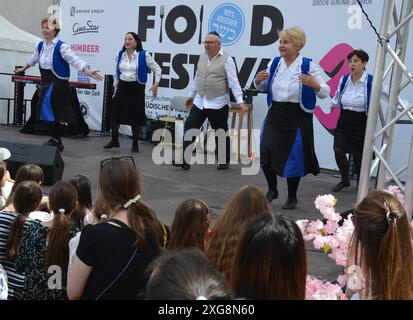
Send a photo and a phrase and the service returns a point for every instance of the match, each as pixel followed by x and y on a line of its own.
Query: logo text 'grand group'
pixel 74 11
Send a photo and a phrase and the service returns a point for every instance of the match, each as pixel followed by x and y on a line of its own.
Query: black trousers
pixel 218 118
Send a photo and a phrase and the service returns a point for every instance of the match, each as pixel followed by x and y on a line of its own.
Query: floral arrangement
pixel 333 236
pixel 317 289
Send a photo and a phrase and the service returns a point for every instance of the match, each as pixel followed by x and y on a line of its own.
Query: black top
pixel 108 249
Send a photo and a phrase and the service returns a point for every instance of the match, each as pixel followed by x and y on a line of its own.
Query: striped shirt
pixel 15 280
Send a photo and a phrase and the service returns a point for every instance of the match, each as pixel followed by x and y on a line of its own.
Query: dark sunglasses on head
pixel 124 158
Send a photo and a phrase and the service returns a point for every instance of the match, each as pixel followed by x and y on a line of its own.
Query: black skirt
pixel 55 99
pixel 287 141
pixel 350 132
pixel 128 105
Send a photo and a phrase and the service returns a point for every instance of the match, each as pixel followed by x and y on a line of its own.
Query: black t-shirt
pixel 108 249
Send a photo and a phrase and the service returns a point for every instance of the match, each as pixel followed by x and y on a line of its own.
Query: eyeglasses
pixel 124 158
pixel 209 42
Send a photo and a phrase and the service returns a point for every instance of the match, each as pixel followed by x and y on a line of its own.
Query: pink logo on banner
pixel 335 65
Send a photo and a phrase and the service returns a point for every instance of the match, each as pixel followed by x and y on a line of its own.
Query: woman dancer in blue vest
pixel 292 83
pixel 353 96
pixel 54 58
pixel 132 63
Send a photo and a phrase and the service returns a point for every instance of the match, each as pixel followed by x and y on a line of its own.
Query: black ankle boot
pixel 271 194
pixel 289 204
pixel 135 147
pixel 342 184
pixel 55 142
pixel 114 143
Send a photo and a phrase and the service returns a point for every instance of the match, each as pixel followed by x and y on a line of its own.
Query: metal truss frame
pixel 381 121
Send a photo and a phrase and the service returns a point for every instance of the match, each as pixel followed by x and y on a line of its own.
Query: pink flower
pixel 315 226
pixel 326 200
pixel 330 227
pixel 323 290
pixel 309 237
pixel 339 256
pixel 332 242
pixel 395 190
pixel 319 242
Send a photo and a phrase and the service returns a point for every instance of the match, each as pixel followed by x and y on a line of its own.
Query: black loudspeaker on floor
pixel 46 157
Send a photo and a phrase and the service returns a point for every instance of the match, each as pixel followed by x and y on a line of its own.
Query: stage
pixel 165 186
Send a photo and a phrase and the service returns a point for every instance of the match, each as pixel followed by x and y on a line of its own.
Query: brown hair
pixel 364 57
pixel 242 209
pixel 185 275
pixel 382 246
pixel 26 199
pixel 52 24
pixel 137 40
pixel 271 261
pixel 84 196
pixel 99 209
pixel 62 202
pixel 190 225
pixel 120 182
pixel 26 172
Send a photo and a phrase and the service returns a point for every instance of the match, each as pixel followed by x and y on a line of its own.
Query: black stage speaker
pixel 46 157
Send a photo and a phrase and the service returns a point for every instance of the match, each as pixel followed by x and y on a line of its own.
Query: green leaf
pixel 326 248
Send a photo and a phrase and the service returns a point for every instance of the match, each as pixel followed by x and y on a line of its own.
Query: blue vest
pixel 307 97
pixel 367 89
pixel 60 67
pixel 141 67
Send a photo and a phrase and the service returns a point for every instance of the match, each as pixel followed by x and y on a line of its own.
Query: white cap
pixel 4 154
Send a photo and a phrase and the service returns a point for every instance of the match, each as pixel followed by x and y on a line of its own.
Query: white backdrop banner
pixel 173 31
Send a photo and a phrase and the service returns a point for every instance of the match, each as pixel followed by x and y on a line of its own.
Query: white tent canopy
pixel 16 46
pixel 14 39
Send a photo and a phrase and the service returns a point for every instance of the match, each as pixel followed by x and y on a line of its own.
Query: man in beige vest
pixel 209 96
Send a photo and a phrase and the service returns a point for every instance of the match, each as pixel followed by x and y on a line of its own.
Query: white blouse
pixel 354 96
pixel 45 59
pixel 286 83
pixel 128 68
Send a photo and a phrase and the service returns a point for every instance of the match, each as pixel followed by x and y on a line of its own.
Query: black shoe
pixel 271 195
pixel 112 144
pixel 185 166
pixel 54 143
pixel 176 164
pixel 51 142
pixel 223 166
pixel 342 184
pixel 290 204
pixel 60 146
pixel 135 148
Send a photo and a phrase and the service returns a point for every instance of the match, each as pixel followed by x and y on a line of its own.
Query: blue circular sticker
pixel 228 20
